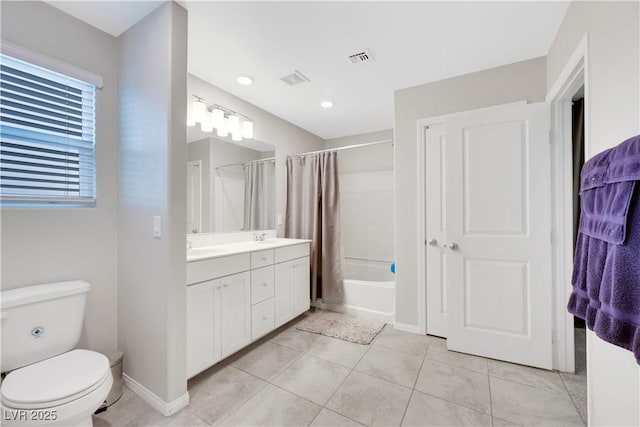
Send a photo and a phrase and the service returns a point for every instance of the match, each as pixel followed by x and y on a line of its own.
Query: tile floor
pixel 295 378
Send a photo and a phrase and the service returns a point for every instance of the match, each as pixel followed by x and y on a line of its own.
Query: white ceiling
pixel 412 43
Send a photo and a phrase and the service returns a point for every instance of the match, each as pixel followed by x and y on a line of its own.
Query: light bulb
pixel 199 110
pixel 223 129
pixel 236 136
pixel 217 115
pixel 206 125
pixel 326 104
pixel 234 123
pixel 247 129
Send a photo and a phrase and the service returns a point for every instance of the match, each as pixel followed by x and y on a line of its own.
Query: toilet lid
pixel 61 378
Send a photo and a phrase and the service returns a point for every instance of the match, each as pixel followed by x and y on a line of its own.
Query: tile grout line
pixel 490 396
pixel 413 389
pixel 351 370
pixel 564 383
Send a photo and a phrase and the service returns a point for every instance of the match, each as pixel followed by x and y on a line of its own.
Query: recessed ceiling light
pixel 326 104
pixel 244 80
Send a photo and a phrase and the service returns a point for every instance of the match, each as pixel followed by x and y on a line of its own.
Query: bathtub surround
pixel 313 212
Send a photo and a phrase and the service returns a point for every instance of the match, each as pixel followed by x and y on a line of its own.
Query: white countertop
pixel 226 249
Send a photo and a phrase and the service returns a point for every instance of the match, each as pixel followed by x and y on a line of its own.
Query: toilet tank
pixel 41 321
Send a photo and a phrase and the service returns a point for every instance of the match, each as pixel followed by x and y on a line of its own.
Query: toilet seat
pixel 55 381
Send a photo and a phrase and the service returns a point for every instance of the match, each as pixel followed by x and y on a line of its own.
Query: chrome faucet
pixel 189 244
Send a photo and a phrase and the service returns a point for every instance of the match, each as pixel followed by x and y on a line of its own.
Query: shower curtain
pixel 313 212
pixel 259 195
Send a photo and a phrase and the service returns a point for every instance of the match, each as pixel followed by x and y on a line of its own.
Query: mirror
pixel 230 186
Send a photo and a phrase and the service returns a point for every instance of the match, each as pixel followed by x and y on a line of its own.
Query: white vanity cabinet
pixel 291 289
pixel 235 299
pixel 218 320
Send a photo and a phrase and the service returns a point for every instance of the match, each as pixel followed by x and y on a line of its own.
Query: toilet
pixel 45 381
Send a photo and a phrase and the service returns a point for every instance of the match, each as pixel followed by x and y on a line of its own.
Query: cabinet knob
pixel 264 317
pixel 264 258
pixel 264 284
pixel 224 286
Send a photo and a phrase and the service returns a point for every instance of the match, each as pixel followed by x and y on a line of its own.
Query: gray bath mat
pixel 341 326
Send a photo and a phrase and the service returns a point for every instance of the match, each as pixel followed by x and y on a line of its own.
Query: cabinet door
pixel 202 347
pixel 283 292
pixel 300 287
pixel 235 312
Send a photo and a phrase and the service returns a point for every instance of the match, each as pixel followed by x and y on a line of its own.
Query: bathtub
pixel 369 290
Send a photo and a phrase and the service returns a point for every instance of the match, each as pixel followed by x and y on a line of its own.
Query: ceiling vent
pixel 294 78
pixel 362 57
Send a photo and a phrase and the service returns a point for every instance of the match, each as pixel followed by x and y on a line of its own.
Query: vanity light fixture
pixel 224 120
pixel 234 123
pixel 199 110
pixel 326 104
pixel 222 129
pixel 247 129
pixel 244 79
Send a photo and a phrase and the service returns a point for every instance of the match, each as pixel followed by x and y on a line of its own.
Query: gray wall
pixel 48 245
pixel 613 105
pixel 519 81
pixel 286 137
pixel 152 271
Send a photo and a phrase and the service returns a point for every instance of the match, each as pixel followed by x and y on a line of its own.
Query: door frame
pixel 198 164
pixel 573 76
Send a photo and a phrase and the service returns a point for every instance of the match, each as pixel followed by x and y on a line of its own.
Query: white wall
pixel 48 245
pixel 286 137
pixel 613 105
pixel 519 81
pixel 152 271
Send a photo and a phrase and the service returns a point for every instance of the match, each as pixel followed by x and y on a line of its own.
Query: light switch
pixel 279 219
pixel 157 226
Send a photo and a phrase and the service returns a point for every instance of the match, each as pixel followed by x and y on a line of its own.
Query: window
pixel 47 136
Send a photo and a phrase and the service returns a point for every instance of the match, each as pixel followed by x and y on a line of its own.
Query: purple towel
pixel 606 271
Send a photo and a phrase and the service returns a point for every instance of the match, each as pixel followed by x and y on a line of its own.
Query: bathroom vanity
pixel 239 292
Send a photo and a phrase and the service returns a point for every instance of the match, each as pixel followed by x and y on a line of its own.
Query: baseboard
pixel 414 329
pixel 165 408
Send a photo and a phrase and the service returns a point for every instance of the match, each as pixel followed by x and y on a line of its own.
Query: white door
pixel 436 226
pixel 235 312
pixel 194 197
pixel 498 233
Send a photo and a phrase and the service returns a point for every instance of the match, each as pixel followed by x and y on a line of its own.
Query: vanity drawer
pixel 262 319
pixel 207 269
pixel 287 253
pixel 261 284
pixel 261 258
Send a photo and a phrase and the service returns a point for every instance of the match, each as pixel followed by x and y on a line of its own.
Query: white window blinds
pixel 47 133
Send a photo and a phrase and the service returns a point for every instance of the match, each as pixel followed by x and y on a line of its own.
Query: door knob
pixel 433 242
pixel 453 246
